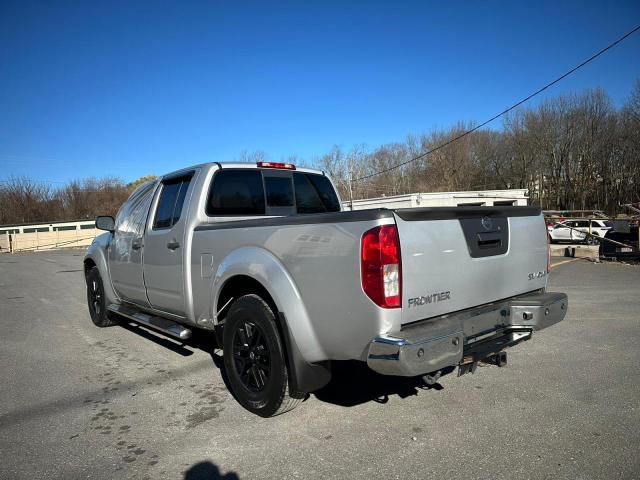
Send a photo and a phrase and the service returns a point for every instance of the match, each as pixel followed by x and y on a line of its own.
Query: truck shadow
pixel 352 382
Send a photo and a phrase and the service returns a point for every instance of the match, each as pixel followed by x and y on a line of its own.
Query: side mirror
pixel 105 222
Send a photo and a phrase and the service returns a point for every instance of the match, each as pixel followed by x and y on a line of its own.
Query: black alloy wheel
pixel 255 359
pixel 251 356
pixel 95 296
pixel 96 299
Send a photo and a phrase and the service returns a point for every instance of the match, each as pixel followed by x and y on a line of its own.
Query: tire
pixel 254 359
pixel 97 300
pixel 592 240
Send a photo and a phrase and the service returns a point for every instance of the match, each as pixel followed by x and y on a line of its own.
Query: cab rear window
pixel 257 192
pixel 279 191
pixel 314 194
pixel 236 192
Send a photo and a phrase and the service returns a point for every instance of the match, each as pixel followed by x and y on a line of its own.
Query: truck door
pixel 125 250
pixel 164 247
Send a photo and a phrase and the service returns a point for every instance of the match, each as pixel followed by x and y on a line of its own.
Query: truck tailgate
pixel 458 258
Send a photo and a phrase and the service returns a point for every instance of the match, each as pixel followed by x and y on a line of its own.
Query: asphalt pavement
pixel 77 401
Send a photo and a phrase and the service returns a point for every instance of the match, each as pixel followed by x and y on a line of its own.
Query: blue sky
pixel 133 88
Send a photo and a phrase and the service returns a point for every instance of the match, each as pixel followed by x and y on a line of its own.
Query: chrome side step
pixel 168 327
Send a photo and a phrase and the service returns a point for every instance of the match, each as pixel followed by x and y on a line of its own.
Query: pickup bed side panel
pixel 261 265
pixel 311 270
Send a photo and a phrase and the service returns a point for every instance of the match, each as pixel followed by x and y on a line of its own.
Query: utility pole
pixel 350 186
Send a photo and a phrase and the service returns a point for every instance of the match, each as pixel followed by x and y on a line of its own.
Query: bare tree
pixel 570 152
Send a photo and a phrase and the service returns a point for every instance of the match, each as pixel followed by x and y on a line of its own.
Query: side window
pixel 133 214
pixel 279 191
pixel 170 203
pixel 582 223
pixel 236 192
pixel 182 194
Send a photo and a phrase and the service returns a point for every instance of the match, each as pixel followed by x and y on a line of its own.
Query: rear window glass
pixel 236 192
pixel 315 194
pixel 279 191
pixel 307 197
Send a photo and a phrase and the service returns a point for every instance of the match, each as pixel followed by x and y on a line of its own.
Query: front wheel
pixel 254 358
pixel 96 300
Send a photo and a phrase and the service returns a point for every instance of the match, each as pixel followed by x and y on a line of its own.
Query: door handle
pixel 173 245
pixel 136 244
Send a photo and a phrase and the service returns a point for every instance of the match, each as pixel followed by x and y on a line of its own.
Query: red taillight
pixel 282 166
pixel 381 266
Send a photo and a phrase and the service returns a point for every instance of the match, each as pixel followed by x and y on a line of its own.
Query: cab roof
pixel 247 165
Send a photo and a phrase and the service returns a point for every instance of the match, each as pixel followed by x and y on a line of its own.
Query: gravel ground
pixel 82 402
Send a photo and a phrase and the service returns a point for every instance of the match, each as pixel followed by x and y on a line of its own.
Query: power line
pixel 515 105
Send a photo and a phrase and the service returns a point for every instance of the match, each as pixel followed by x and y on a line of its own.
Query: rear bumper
pixel 469 335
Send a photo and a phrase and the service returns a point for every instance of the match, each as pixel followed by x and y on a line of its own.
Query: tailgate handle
pixel 489 240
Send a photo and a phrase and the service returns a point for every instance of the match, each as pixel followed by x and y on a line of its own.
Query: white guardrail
pixel 47 240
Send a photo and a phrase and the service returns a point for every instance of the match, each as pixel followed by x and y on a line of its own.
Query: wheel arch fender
pixel 96 255
pixel 263 267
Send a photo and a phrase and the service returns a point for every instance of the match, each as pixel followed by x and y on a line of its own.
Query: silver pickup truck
pixel 262 255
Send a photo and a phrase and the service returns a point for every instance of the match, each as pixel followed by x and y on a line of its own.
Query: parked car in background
pixel 572 230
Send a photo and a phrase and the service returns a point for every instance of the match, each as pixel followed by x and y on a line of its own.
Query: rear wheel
pixel 254 358
pixel 96 299
pixel 591 240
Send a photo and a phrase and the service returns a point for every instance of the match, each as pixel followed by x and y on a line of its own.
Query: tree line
pixel 23 200
pixel 570 152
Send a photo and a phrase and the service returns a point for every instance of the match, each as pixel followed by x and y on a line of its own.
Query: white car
pixel 571 230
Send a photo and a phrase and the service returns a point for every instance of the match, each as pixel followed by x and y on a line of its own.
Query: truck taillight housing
pixel 381 266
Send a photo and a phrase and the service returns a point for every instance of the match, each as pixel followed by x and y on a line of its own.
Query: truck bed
pixel 320 255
